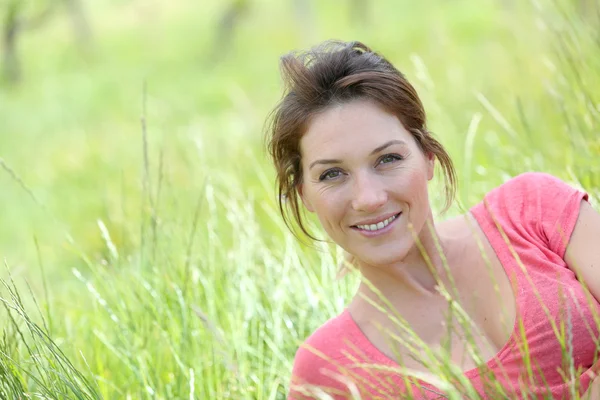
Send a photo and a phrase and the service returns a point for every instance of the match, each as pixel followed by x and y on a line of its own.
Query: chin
pixel 382 257
pixel 380 260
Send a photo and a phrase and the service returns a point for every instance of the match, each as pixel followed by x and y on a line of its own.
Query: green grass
pixel 159 264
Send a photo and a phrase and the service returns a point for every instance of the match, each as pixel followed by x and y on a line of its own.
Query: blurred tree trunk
pixel 590 10
pixel 359 12
pixel 588 7
pixel 15 24
pixel 10 61
pixel 228 23
pixel 79 21
pixel 303 14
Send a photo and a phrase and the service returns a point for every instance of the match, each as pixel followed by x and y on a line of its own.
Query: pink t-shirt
pixel 537 213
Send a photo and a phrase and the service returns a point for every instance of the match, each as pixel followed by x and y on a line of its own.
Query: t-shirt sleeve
pixel 314 374
pixel 560 210
pixel 541 206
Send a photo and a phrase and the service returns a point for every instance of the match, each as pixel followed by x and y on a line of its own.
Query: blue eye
pixel 389 158
pixel 330 174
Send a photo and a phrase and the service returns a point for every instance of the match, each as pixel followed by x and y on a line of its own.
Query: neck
pixel 415 276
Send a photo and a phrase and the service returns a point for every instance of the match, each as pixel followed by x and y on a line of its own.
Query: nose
pixel 368 193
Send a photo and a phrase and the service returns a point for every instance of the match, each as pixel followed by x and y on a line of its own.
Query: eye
pixel 389 158
pixel 330 174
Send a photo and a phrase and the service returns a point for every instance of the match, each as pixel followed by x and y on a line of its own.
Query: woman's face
pixel 366 178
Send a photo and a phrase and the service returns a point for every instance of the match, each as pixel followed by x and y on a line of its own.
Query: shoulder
pixel 529 183
pixel 534 205
pixel 323 346
pixel 535 192
pixel 321 357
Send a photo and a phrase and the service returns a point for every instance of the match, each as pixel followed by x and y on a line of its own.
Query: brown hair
pixel 332 73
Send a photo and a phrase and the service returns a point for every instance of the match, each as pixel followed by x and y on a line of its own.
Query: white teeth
pixel 376 227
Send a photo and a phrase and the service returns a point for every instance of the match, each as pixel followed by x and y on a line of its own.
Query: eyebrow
pixel 375 151
pixel 388 144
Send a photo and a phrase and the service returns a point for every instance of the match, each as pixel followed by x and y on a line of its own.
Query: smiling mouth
pixel 377 226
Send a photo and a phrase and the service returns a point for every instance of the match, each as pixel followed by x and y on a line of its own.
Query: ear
pixel 430 166
pixel 305 201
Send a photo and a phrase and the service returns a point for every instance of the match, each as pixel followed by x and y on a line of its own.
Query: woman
pixel 486 304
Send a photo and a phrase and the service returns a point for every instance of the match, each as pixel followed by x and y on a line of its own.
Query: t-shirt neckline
pixel 374 353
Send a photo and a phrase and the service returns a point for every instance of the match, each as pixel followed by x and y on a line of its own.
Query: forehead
pixel 360 125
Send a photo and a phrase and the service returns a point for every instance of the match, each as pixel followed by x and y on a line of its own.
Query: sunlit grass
pixel 157 257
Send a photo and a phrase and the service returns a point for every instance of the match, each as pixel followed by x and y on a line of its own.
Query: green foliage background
pixel 138 204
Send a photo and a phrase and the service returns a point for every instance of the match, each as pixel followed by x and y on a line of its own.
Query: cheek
pixel 417 187
pixel 329 207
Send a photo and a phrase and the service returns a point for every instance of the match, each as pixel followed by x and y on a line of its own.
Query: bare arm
pixel 583 251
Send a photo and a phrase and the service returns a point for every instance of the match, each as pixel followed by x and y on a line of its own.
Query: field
pixel 145 257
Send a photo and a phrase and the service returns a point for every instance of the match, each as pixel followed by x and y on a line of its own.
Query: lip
pixel 379 232
pixel 376 220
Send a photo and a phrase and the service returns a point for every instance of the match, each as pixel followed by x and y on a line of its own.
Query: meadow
pixel 143 250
